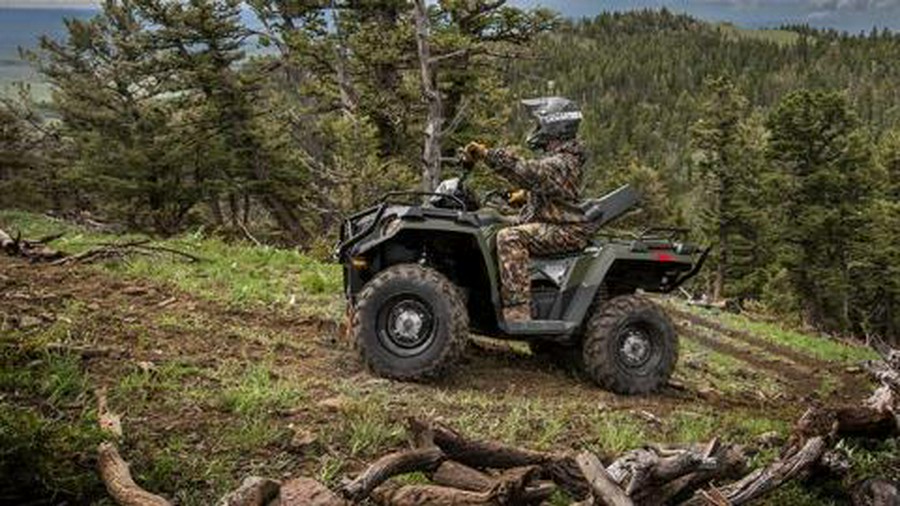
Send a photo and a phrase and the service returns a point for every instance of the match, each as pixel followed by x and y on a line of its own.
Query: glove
pixel 518 197
pixel 475 151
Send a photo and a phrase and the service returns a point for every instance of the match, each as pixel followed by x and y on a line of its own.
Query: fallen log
pixel 731 463
pixel 511 488
pixel 456 475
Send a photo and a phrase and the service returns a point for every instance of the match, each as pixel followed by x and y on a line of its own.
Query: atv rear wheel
pixel 410 323
pixel 630 346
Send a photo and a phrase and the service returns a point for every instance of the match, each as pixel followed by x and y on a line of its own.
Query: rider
pixel 551 222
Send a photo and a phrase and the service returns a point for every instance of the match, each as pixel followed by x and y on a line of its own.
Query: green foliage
pixel 825 176
pixel 256 393
pixel 30 156
pixel 42 447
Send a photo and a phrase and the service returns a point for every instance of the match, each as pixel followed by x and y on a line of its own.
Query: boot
pixel 520 313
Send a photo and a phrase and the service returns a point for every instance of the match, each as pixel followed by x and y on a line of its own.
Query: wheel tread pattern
pixel 458 325
pixel 598 362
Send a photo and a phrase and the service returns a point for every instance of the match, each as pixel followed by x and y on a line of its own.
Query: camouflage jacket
pixel 553 182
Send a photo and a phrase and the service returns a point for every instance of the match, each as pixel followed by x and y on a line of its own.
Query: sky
pixel 849 15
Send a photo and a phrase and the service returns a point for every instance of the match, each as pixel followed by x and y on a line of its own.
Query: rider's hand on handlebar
pixel 475 151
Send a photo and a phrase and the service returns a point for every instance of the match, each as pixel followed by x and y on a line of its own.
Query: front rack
pixel 349 236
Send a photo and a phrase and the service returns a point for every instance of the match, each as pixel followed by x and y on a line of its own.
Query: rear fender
pixel 621 271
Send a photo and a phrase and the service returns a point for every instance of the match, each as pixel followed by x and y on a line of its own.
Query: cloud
pixel 856 5
pixel 817 5
pixel 48 4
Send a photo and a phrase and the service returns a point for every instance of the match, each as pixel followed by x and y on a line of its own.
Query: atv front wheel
pixel 630 346
pixel 410 323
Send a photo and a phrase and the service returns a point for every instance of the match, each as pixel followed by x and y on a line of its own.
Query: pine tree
pixel 825 181
pixel 718 155
pixel 118 112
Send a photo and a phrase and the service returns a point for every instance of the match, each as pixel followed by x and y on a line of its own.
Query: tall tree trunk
pixel 431 152
pixel 348 101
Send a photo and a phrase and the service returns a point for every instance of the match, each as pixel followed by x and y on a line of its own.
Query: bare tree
pixel 431 152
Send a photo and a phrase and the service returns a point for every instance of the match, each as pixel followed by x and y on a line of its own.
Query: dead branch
pixel 456 475
pixel 109 251
pixel 36 251
pixel 419 460
pixel 119 483
pixel 766 479
pixel 480 454
pixel 603 486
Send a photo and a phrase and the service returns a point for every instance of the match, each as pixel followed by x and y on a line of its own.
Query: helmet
pixel 557 119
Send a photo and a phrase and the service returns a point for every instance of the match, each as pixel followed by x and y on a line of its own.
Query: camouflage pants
pixel 516 244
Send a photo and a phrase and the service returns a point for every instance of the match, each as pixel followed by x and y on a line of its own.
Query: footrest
pixel 538 328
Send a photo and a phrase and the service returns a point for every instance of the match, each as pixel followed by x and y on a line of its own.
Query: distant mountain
pixel 849 16
pixel 22 28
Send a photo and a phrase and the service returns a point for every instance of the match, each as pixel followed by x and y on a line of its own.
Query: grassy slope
pixel 214 386
pixel 780 37
pixel 238 275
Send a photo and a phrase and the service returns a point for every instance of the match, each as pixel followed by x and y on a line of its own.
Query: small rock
pixel 308 492
pixel 853 369
pixel 93 306
pixel 254 491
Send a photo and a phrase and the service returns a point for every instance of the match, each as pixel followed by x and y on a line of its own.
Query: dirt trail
pixel 747 337
pixel 802 371
pixel 798 381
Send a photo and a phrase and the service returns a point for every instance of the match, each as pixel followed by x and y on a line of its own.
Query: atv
pixel 420 275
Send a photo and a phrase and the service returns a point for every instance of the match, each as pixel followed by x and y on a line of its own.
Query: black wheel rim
pixel 638 347
pixel 406 325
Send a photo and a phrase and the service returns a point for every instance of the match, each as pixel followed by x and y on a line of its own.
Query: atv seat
pixel 602 211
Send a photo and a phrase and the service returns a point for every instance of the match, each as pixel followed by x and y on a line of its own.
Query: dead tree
pixel 431 152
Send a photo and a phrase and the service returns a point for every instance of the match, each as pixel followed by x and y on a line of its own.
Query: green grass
pixel 256 392
pixel 729 373
pixel 817 346
pixel 198 420
pixel 616 432
pixel 47 424
pixel 236 273
pixel 775 36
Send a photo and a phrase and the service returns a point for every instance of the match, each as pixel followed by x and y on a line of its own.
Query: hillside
pixel 235 365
